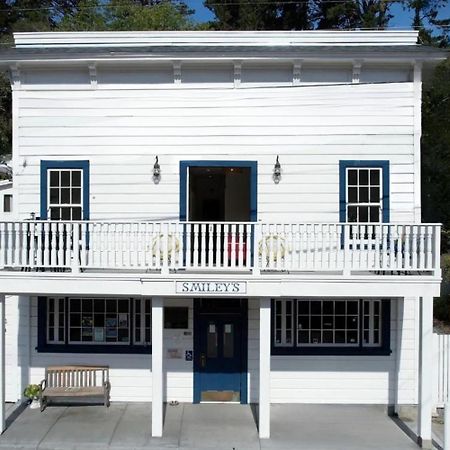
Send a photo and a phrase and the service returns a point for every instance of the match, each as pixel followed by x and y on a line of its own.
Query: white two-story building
pixel 221 217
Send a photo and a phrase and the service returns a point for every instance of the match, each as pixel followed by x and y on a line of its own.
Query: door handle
pixel 202 360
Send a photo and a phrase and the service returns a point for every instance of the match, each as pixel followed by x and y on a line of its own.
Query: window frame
pixel 344 165
pixel 44 346
pixel 337 349
pixel 47 166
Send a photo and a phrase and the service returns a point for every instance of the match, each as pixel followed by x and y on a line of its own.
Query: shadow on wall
pixel 355 379
pixel 352 379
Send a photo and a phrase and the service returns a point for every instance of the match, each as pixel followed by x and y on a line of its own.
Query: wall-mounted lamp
pixel 277 171
pixel 156 171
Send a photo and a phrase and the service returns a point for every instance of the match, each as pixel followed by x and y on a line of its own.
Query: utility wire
pixel 225 3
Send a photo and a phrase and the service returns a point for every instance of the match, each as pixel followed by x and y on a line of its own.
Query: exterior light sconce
pixel 156 172
pixel 277 171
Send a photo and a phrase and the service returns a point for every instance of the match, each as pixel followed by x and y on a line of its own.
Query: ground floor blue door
pixel 220 350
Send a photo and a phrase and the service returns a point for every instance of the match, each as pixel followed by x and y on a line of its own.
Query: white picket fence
pixel 441 368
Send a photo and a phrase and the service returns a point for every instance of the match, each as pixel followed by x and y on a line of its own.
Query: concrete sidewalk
pixel 206 426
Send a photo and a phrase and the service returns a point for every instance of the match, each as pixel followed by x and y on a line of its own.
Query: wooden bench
pixel 75 381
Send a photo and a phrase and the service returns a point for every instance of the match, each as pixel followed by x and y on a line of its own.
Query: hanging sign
pixel 211 287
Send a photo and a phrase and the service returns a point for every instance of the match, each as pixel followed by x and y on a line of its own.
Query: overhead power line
pixel 231 3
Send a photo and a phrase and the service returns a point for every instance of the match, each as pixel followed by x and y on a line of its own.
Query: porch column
pixel 264 368
pixel 2 364
pixel 425 371
pixel 157 366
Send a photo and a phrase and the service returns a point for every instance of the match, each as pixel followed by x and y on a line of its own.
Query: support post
pixel 425 371
pixel 264 368
pixel 76 248
pixel 2 364
pixel 447 424
pixel 157 366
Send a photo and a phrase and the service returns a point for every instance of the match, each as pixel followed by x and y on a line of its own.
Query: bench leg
pixel 107 402
pixel 43 403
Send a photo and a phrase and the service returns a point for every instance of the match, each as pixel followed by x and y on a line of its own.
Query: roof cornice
pixel 215 38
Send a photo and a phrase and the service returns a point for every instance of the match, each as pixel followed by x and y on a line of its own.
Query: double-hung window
pixel 65 193
pixel 364 195
pixel 7 203
pixel 330 326
pixel 65 190
pixel 364 191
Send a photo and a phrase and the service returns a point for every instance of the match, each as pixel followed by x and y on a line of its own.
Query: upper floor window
pixel 7 203
pixel 301 325
pixel 364 195
pixel 364 191
pixel 65 190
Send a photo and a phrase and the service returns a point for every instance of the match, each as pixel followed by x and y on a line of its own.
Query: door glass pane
pixel 228 340
pixel 211 341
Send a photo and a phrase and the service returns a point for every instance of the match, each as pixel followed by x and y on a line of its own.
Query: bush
pixel 445 241
pixel 445 266
pixel 32 391
pixel 442 308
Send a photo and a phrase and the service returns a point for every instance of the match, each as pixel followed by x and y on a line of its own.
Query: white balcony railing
pixel 221 246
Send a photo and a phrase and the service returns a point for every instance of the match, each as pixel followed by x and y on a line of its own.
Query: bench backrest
pixel 76 376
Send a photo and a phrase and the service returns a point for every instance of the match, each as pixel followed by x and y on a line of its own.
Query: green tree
pixel 426 16
pixel 352 14
pixel 88 15
pixel 132 15
pixel 260 15
pixel 126 15
pixel 436 147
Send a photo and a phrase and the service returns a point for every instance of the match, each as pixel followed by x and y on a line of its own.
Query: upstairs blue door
pixel 220 357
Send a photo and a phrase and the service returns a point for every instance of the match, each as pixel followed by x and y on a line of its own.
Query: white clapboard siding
pixel 294 379
pixel 441 369
pixel 342 379
pixel 311 128
pixel 130 374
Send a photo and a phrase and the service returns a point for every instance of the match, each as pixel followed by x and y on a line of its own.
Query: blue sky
pixel 401 19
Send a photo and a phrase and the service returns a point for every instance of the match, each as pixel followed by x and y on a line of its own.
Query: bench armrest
pixel 42 385
pixel 107 385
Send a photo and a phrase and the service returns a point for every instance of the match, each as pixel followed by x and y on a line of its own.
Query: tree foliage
pixel 260 15
pixel 352 14
pixel 125 15
pixel 436 147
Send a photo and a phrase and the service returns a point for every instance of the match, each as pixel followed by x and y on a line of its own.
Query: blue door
pixel 220 357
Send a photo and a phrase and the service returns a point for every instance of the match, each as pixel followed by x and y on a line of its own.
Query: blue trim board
pixel 384 165
pixel 252 165
pixel 384 350
pixel 51 164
